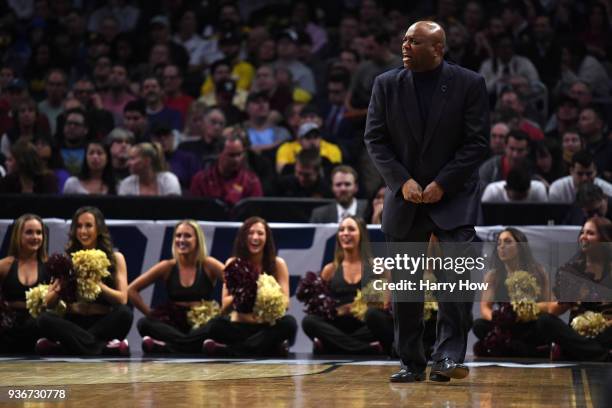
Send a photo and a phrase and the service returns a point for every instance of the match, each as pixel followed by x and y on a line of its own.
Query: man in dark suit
pixel 427 133
pixel 344 188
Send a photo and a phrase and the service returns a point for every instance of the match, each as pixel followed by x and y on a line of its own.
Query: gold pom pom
pixel 428 309
pixel 91 266
pixel 589 324
pixel 522 286
pixel 270 303
pixel 359 307
pixel 200 314
pixel 35 301
pixel 526 310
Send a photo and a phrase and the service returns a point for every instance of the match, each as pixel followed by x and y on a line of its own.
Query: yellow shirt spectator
pixel 309 136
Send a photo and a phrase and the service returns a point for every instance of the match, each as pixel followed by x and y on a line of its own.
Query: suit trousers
pixel 454 318
pixel 86 335
pixel 176 340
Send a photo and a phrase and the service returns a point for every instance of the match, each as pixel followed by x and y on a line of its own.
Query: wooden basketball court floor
pixel 300 381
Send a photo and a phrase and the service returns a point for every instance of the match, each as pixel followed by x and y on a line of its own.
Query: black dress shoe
pixel 406 376
pixel 449 368
pixel 438 377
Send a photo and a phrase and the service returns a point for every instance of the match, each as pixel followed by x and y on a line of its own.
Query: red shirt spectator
pixel 228 179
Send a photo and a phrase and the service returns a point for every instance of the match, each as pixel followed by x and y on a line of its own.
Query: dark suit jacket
pixel 329 212
pixel 449 148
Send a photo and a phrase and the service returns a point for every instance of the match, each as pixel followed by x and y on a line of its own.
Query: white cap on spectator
pixel 306 128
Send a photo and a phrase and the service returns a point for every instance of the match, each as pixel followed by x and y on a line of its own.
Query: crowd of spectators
pixel 238 99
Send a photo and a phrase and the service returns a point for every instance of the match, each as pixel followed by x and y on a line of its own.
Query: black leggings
pixel 22 337
pixel 176 340
pixel 86 335
pixel 344 334
pixel 248 339
pixel 573 345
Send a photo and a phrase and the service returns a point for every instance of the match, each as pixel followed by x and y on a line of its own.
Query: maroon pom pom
pixel 59 266
pixel 314 293
pixel 7 315
pixel 241 281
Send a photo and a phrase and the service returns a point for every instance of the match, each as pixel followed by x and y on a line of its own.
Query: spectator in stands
pixel 571 143
pixel 125 14
pixel 118 93
pixel 590 202
pixel 232 66
pixel 518 187
pixel 544 51
pixel 581 91
pixel 582 171
pixel 303 19
pixel 258 163
pixel 591 127
pixel 15 93
pixel 74 138
pixel 220 73
pixel 26 125
pixel 309 137
pixel 228 179
pixel 227 98
pixel 119 141
pixel 56 87
pixel 207 124
pixel 50 158
pixel 565 117
pixel 265 81
pixel 160 35
pixel 100 120
pixel 96 176
pixel 344 188
pixel 148 173
pixel 188 37
pixel 27 174
pixel 547 159
pixel 157 112
pixel 263 135
pixel 498 167
pixel 101 73
pixel 461 48
pixel 180 162
pixel 307 179
pixel 497 141
pixel 576 64
pixel 135 120
pixel 510 99
pixel 337 127
pixel 497 70
pixel 378 58
pixel 287 52
pixel 376 206
pixel 175 98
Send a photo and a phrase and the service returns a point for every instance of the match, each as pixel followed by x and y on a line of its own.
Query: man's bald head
pixel 423 46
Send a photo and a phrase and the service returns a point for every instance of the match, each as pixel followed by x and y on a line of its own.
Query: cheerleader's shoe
pixel 117 347
pixel 152 346
pixel 46 347
pixel 212 348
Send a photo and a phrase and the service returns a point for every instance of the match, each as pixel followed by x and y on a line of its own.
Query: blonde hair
pixel 15 243
pixel 154 152
pixel 201 245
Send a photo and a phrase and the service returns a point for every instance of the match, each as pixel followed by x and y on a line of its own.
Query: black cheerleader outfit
pixel 22 336
pixel 169 323
pixel 345 334
pixel 81 334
